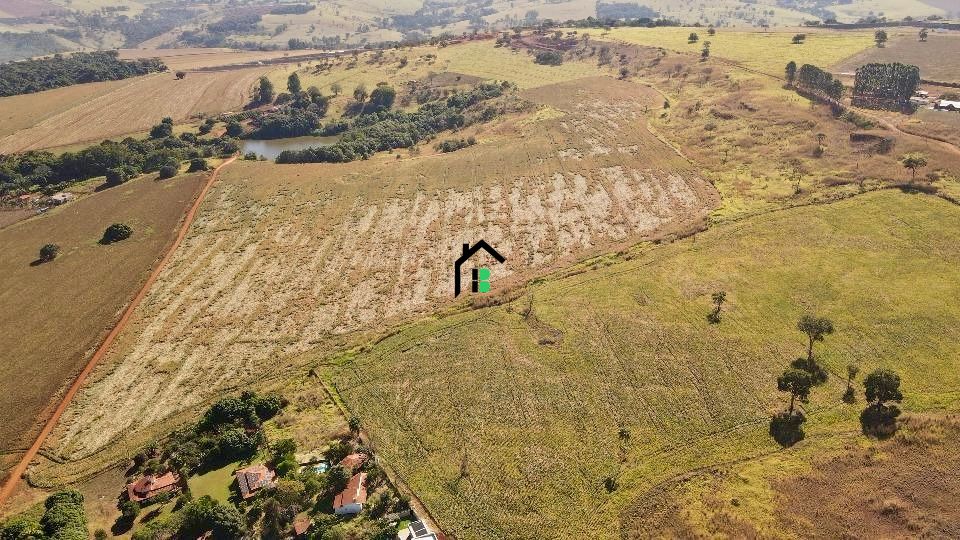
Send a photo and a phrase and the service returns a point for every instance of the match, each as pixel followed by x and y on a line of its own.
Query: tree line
pixel 117 161
pixel 30 76
pixel 390 129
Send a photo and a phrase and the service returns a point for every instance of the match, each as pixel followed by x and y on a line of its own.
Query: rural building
pixel 944 105
pixel 254 478
pixel 151 485
pixel 353 461
pixel 418 530
pixel 353 497
pixel 61 197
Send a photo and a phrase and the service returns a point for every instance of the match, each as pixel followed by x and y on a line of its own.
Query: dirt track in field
pixel 21 466
pixel 283 257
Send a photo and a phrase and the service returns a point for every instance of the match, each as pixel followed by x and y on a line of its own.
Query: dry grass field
pixel 201 58
pixel 97 111
pixel 936 57
pixel 284 258
pixel 505 420
pixel 57 312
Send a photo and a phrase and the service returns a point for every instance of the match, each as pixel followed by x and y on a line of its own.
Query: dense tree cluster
pixel 63 519
pixel 292 9
pixel 389 129
pixel 548 58
pixel 118 161
pixel 452 145
pixel 610 22
pixel 624 10
pixel 819 82
pixel 885 85
pixel 441 13
pixel 31 76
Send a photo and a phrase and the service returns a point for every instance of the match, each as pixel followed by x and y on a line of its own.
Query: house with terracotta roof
pixel 151 485
pixel 301 525
pixel 353 461
pixel 254 478
pixel 353 497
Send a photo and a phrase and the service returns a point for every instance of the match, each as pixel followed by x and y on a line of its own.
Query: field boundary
pixel 21 467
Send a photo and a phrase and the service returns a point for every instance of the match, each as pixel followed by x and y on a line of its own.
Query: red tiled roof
pixel 355 492
pixel 301 525
pixel 353 461
pixel 150 486
pixel 254 478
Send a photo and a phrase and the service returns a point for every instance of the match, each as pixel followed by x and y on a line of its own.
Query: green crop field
pixel 505 420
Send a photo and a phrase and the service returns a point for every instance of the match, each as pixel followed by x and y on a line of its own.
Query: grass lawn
pixel 215 483
pixel 532 406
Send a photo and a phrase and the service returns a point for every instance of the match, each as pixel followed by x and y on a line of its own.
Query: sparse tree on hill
pixel 198 164
pixel 791 72
pixel 265 91
pixel 796 381
pixel 360 93
pixel 49 252
pixel 880 37
pixel 336 88
pixel 354 424
pixel 293 84
pixel 693 37
pixel 816 329
pixel 798 39
pixel 180 75
pixel 848 395
pixel 879 419
pixel 624 73
pixel 913 162
pixel 711 30
pixel 923 35
pixel 718 298
pixel 705 53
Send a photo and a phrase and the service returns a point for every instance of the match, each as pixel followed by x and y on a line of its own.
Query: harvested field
pixel 126 107
pixel 937 57
pixel 27 8
pixel 283 257
pixel 57 312
pixel 505 421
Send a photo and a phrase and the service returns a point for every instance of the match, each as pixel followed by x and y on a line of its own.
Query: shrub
pixel 116 233
pixel 198 164
pixel 250 156
pixel 548 58
pixel 169 170
pixel 49 252
pixel 119 175
pixel 879 421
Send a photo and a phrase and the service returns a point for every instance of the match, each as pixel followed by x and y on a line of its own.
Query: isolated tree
pixel 169 170
pixel 848 395
pixel 820 138
pixel 624 73
pixel 265 91
pixel 923 35
pixel 880 36
pixel 49 252
pixel 180 75
pixel 796 381
pixel 705 52
pixel 360 93
pixel 198 164
pixel 879 419
pixel 791 72
pixel 913 162
pixel 816 329
pixel 798 39
pixel 336 88
pixel 718 299
pixel 293 83
pixel 711 30
pixel 354 424
pixel 882 385
pixel 693 37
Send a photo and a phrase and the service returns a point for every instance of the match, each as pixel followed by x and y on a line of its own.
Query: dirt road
pixel 21 467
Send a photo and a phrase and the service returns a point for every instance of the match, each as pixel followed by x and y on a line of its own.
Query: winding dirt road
pixel 21 467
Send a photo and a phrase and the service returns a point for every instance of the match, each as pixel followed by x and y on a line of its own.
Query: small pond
pixel 270 149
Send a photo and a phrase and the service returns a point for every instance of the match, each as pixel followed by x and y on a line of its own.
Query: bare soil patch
pixel 936 58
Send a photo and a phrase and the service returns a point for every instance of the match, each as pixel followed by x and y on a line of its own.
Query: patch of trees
pixel 452 145
pixel 118 161
pixel 819 83
pixel 237 23
pixel 63 518
pixel 549 58
pixel 885 86
pixel 441 13
pixel 292 9
pixel 30 76
pixel 194 519
pixel 116 233
pixel 607 22
pixel 299 111
pixel 624 10
pixel 390 129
